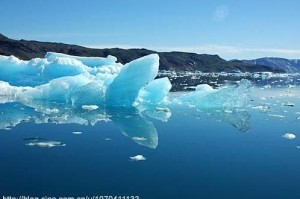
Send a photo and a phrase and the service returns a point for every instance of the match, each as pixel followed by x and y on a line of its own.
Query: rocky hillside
pixel 288 65
pixel 179 61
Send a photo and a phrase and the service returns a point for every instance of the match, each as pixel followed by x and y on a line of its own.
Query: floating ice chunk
pixel 50 111
pixel 138 158
pixel 224 97
pixel 80 80
pixel 139 138
pixel 276 115
pixel 204 88
pixel 89 107
pixel 289 136
pixel 77 132
pixel 108 139
pixel 89 61
pixel 268 86
pixel 154 92
pixel 227 111
pixel 44 143
pixel 125 88
pixel 102 82
pixel 262 108
pixel 201 92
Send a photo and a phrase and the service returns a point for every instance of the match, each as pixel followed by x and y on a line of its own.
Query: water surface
pixel 190 152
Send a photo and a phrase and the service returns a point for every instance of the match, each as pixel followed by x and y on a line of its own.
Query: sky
pixel 233 29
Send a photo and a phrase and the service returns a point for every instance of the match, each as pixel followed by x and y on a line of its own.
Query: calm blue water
pixel 191 154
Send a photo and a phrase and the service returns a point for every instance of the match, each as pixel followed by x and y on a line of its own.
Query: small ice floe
pixel 298 147
pixel 139 138
pixel 89 107
pixel 227 111
pixel 267 86
pixel 263 98
pixel 262 108
pixel 289 136
pixel 276 115
pixel 77 132
pixel 49 110
pixel 107 139
pixel 44 143
pixel 189 87
pixel 138 158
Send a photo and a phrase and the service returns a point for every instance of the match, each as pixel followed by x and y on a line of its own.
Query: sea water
pixel 188 153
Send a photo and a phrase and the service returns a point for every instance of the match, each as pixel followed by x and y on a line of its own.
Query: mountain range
pixel 288 65
pixel 178 61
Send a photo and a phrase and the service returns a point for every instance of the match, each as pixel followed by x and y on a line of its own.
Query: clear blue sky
pixel 232 28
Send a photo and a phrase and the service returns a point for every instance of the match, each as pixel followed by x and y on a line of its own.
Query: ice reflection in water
pixel 132 122
pixel 137 124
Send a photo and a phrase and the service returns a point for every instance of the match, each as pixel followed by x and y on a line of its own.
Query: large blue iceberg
pixel 74 80
pixel 65 89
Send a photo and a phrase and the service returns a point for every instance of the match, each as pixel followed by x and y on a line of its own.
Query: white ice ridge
pixel 39 71
pixel 88 61
pixel 103 82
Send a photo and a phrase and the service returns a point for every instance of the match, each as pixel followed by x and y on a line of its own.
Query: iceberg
pixel 85 90
pixel 138 158
pixel 289 136
pixel 232 96
pixel 89 107
pixel 44 143
pixel 39 71
pixel 133 77
pixel 60 78
pixel 82 80
pixel 77 132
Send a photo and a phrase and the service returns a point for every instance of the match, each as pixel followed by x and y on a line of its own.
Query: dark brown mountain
pixel 179 61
